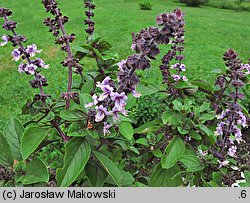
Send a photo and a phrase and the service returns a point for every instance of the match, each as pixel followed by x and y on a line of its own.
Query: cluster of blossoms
pixel 232 119
pixel 145 44
pixel 108 103
pixel 56 25
pixel 174 21
pixel 91 24
pixel 30 64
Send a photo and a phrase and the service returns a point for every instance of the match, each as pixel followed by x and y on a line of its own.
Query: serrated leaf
pixel 110 167
pixel 76 157
pixel 177 105
pixel 31 139
pixel 171 117
pixel 166 177
pixel 192 163
pixel 175 149
pixel 6 158
pixel 203 85
pixel 151 126
pixel 72 115
pixel 13 132
pixel 34 172
pixel 147 89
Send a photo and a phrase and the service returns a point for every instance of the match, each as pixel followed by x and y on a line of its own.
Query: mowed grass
pixel 209 32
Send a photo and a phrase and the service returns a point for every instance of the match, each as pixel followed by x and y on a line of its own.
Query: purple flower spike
pixel 133 47
pixel 182 67
pixel 5 40
pixel 101 113
pixel 136 94
pixel 232 150
pixel 108 90
pixel 106 81
pixel 95 101
pixel 32 50
pixel 106 128
pixel 246 67
pixel 21 68
pixel 184 78
pixel 219 129
pixel 16 54
pixel 238 135
pixel 176 77
pixel 121 64
pixel 223 163
pixel 31 69
pixel 115 112
pixel 242 120
pixel 41 63
pixel 175 66
pixel 119 100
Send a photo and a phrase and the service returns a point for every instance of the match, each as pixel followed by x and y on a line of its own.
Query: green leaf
pixel 184 85
pixel 95 174
pixel 87 87
pixel 217 177
pixel 110 55
pixel 203 107
pixel 31 139
pixel 13 132
pixel 195 135
pixel 34 172
pixel 206 130
pixel 206 117
pixel 175 149
pixel 147 89
pixel 151 126
pixel 133 149
pixel 110 167
pixel 166 177
pixel 103 45
pixel 209 133
pixel 171 117
pixel 157 153
pixel 247 178
pixel 182 131
pixel 127 179
pixel 142 141
pixel 130 102
pixel 203 85
pixel 192 163
pixel 72 115
pixel 126 129
pixel 6 158
pixel 177 105
pixel 85 99
pixel 77 154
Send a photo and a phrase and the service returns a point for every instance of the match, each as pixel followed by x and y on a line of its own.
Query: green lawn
pixel 209 32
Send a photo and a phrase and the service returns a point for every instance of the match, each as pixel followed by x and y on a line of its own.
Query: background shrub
pixel 194 2
pixel 145 5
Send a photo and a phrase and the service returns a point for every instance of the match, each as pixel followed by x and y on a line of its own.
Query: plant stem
pixel 70 71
